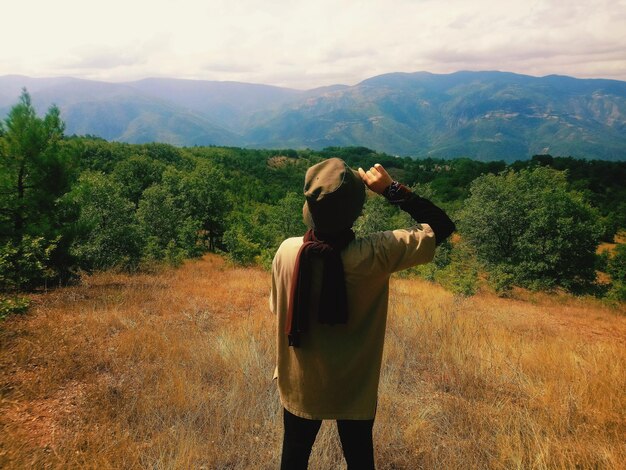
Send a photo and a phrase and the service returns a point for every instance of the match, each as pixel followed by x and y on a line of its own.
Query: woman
pixel 330 293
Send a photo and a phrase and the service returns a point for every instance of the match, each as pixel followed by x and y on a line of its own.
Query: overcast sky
pixel 304 44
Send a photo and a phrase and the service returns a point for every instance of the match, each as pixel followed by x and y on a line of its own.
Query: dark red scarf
pixel 333 304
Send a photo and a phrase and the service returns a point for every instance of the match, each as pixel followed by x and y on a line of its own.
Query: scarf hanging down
pixel 333 302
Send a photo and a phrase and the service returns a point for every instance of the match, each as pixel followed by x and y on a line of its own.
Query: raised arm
pixel 420 209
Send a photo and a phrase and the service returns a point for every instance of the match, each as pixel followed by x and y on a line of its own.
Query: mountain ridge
pixel 484 115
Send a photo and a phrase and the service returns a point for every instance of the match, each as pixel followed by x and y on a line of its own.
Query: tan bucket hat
pixel 334 196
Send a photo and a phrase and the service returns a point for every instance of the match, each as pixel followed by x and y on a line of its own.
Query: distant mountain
pixel 118 111
pixel 483 115
pixel 227 103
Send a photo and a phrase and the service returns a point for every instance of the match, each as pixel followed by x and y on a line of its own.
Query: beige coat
pixel 334 373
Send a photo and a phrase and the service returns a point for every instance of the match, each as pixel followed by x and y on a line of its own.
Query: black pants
pixel 300 433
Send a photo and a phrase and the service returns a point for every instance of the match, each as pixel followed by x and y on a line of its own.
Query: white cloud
pixel 304 44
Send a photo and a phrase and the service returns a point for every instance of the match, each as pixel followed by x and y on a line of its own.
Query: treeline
pixel 72 204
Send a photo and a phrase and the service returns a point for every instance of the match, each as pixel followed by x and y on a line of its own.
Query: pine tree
pixel 32 176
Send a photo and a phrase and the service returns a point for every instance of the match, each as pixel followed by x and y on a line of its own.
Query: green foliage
pixel 13 305
pixel 241 248
pixel 378 215
pixel 33 173
pixel 528 228
pixel 502 278
pixel 169 230
pixel 106 233
pixel 97 154
pixel 136 205
pixel 256 231
pixel 25 264
pixel 454 266
pixel 601 181
pixel 136 174
pixel 172 255
pixel 431 271
pixel 256 175
pixel 286 218
pixel 602 261
pixel 250 236
pixel 207 202
pixel 617 264
pixel 617 269
pixel 617 292
pixel 459 273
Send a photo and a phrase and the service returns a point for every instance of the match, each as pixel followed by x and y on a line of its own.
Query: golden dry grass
pixel 618 239
pixel 173 370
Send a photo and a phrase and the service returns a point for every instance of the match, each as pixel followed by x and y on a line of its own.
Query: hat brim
pixel 307 217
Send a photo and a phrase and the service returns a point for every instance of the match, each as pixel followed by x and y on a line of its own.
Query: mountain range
pixel 482 115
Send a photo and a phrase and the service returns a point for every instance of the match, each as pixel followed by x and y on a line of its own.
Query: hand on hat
pixel 376 178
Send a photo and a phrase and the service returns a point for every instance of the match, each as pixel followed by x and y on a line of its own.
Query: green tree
pixel 26 264
pixel 33 174
pixel 207 202
pixel 241 246
pixel 378 215
pixel 136 174
pixel 166 223
pixel 617 270
pixel 29 167
pixel 253 234
pixel 287 218
pixel 105 232
pixel 529 229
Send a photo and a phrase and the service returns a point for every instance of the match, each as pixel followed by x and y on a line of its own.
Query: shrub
pixel 529 229
pixel 167 226
pixel 106 233
pixel 13 305
pixel 241 249
pixel 460 274
pixel 25 264
pixel 617 270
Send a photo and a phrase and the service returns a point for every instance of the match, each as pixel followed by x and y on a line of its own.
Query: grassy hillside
pixel 173 370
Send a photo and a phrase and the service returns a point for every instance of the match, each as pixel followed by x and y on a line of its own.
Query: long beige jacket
pixel 334 373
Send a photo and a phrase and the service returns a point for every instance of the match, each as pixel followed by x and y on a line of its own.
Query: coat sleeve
pixel 395 250
pixel 273 291
pixel 421 210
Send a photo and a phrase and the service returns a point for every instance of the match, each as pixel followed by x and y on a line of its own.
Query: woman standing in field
pixel 330 293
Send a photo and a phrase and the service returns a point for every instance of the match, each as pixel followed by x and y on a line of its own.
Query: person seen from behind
pixel 330 294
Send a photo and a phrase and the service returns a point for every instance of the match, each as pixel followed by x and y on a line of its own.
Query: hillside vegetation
pixel 72 205
pixel 173 370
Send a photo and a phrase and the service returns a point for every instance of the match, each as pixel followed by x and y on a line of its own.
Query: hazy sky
pixel 304 44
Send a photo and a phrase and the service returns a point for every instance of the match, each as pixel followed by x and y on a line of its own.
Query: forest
pixel 77 204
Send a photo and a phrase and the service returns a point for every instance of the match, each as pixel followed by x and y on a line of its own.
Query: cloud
pixel 229 67
pixel 103 59
pixel 305 44
pixel 343 55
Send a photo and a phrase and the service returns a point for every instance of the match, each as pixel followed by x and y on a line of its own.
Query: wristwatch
pixel 396 192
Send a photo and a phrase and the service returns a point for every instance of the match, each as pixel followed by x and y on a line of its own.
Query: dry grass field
pixel 173 371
